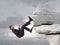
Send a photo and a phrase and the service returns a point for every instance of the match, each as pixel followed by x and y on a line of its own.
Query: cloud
pixel 49 4
pixel 29 2
pixel 12 10
pixel 11 20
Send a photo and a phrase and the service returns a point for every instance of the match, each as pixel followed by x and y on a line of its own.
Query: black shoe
pixel 30 18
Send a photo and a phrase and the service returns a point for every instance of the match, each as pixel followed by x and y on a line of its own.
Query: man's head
pixel 11 27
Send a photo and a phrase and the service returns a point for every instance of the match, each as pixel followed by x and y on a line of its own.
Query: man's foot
pixel 30 18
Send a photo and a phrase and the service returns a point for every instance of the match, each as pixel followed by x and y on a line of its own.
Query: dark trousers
pixel 20 33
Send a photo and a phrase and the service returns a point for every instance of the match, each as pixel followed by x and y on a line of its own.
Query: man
pixel 20 31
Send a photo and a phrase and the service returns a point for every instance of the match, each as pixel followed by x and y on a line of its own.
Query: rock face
pixel 53 39
pixel 42 16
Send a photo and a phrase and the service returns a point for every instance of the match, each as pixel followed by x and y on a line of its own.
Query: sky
pixel 16 11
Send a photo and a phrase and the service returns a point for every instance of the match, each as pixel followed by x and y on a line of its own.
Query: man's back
pixel 19 33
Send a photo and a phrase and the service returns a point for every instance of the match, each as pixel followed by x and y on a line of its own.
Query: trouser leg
pixel 30 30
pixel 27 23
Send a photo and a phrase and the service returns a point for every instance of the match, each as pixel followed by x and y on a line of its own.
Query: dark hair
pixel 10 26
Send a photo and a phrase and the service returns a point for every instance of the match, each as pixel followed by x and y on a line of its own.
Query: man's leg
pixel 30 30
pixel 27 23
pixel 30 18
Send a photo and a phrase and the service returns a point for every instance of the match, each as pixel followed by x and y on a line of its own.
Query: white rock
pixel 41 16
